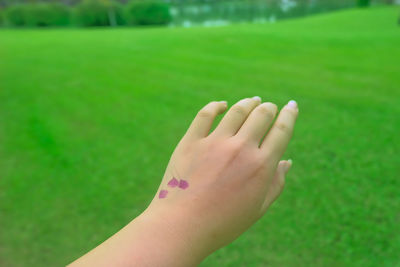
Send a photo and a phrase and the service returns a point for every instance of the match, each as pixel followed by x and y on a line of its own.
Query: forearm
pixel 148 240
pixel 216 185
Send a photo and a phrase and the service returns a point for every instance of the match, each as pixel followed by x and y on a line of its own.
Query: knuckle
pixel 259 161
pixel 237 144
pixel 281 183
pixel 205 113
pixel 238 109
pixel 274 107
pixel 266 111
pixel 283 127
pixel 291 111
pixel 268 154
pixel 209 109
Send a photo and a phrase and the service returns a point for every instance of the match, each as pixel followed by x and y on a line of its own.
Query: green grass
pixel 89 118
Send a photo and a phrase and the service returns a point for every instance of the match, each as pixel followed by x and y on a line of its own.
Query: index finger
pixel 277 139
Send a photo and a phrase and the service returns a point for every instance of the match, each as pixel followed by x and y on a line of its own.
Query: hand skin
pixel 234 175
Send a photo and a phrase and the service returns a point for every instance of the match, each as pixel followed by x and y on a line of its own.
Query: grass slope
pixel 89 118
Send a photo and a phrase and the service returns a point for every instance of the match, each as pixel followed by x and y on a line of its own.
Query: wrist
pixel 166 238
pixel 154 238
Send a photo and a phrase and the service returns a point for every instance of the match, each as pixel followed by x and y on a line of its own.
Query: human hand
pixel 218 184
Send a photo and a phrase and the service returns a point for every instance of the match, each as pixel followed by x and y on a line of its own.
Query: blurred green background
pixel 89 118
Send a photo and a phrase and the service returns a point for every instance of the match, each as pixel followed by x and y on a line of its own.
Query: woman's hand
pixel 232 174
pixel 216 184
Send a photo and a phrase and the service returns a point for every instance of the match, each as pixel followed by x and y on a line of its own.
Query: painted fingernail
pixel 183 184
pixel 163 194
pixel 292 104
pixel 173 182
pixel 257 98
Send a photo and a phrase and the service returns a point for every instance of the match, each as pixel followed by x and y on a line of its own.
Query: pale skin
pixel 216 185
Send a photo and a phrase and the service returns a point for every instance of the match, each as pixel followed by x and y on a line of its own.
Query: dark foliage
pixel 148 13
pixel 38 14
pixel 363 3
pixel 99 13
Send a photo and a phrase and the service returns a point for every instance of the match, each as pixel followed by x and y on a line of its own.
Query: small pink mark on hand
pixel 163 194
pixel 183 184
pixel 173 182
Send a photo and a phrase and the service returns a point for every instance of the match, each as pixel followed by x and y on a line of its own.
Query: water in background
pixel 222 12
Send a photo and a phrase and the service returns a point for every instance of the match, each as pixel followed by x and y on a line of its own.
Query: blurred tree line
pixel 42 13
pixel 162 12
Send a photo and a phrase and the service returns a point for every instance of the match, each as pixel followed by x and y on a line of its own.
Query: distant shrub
pixel 1 18
pixel 38 14
pixel 148 13
pixel 363 3
pixel 16 15
pixel 99 13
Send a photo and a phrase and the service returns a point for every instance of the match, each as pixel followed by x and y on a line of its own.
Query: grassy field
pixel 89 118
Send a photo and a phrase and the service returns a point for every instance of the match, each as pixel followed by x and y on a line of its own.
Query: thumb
pixel 277 183
pixel 285 166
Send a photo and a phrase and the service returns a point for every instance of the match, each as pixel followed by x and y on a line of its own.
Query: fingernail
pixel 292 104
pixel 257 98
pixel 223 102
pixel 288 165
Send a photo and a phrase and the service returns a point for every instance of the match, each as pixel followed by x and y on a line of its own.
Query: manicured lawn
pixel 89 118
